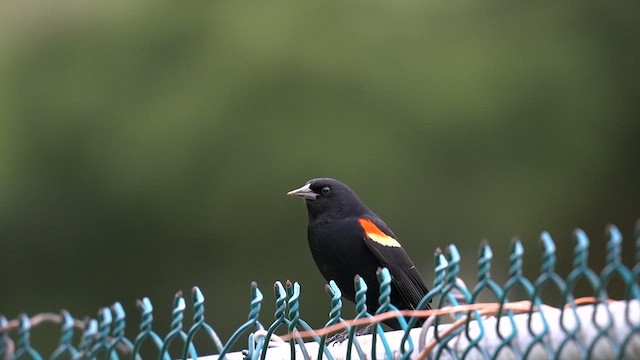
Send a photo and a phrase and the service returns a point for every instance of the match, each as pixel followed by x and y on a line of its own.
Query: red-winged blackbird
pixel 346 238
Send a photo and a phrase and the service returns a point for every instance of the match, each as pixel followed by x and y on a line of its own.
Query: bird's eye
pixel 325 190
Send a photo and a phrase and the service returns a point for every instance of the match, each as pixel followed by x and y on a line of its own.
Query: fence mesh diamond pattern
pixel 459 327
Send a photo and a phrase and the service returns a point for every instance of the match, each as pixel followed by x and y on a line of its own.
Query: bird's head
pixel 330 196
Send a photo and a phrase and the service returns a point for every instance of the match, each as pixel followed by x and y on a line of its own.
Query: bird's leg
pixel 342 336
pixel 365 330
pixel 339 337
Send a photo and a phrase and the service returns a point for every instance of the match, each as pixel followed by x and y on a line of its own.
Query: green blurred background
pixel 146 147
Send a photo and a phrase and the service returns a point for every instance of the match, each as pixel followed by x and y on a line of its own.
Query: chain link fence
pixel 459 327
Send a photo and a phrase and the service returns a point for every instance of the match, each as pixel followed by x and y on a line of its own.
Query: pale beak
pixel 304 192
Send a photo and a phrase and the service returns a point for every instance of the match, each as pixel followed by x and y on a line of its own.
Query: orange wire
pixel 484 308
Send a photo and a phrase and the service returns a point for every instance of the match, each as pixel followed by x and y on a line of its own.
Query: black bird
pixel 347 239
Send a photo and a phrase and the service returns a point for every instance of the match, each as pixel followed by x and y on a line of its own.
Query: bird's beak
pixel 304 192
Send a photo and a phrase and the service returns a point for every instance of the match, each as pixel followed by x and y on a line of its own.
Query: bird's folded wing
pixel 405 276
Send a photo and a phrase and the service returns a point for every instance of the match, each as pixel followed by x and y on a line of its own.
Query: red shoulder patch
pixel 374 233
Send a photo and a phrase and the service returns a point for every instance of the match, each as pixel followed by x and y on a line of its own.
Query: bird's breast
pixel 339 251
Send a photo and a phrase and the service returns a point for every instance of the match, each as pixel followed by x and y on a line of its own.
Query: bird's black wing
pixel 382 243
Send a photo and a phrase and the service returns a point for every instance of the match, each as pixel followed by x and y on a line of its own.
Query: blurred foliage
pixel 147 147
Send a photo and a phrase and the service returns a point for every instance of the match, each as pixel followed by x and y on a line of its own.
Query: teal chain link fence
pixel 458 328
